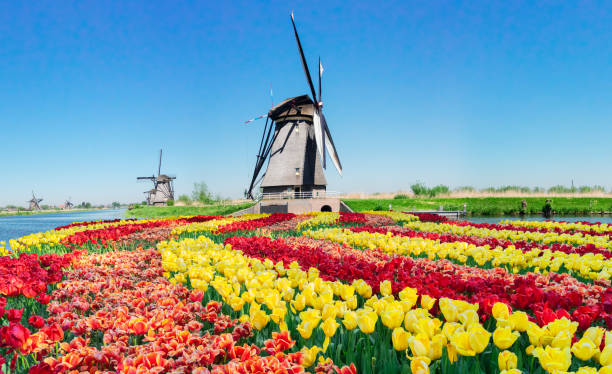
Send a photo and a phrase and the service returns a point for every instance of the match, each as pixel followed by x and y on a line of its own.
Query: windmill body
pixel 294 165
pixel 163 187
pixel 295 143
pixel 34 202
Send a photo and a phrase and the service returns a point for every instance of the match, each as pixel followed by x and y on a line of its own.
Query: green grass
pixel 171 211
pixel 32 212
pixel 488 206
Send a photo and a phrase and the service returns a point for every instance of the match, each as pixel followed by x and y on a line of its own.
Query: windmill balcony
pixel 321 194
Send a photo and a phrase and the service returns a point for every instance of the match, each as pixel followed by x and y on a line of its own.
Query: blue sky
pixel 460 93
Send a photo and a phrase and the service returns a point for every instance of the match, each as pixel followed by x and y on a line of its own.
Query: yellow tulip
pixel 586 370
pixel 351 303
pixel 329 311
pixel 299 303
pixel 409 295
pixel 605 369
pixel 329 327
pixel 310 355
pixel 419 365
pixel 449 310
pixel 469 318
pixel 305 329
pixel 594 334
pixel 350 320
pixel 478 337
pixel 562 340
pixel 419 345
pixel 605 358
pixel 461 343
pixel 399 337
pixel 259 319
pixel 507 360
pixel 393 315
pixel 366 319
pixel 511 371
pixel 504 337
pixel 519 321
pixel 437 345
pixel 427 302
pixel 584 349
pixel 553 358
pixel 500 311
pixel 535 334
pixel 385 288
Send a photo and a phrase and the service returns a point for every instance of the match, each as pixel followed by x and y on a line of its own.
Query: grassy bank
pixel 32 212
pixel 172 211
pixel 489 206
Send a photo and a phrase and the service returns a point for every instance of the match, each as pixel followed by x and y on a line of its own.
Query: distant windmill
pixel 68 204
pixel 34 202
pixel 295 142
pixel 163 186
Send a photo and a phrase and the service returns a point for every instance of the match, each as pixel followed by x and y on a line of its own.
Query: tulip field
pixel 372 292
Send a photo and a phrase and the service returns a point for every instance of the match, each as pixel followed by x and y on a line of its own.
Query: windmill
pixel 163 188
pixel 34 202
pixel 295 142
pixel 68 204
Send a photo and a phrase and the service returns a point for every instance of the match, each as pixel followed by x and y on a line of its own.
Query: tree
pixel 115 204
pixel 200 193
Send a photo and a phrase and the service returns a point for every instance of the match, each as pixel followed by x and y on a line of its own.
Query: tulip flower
pixel 507 360
pixel 504 337
pixel 553 358
pixel 419 365
pixel 400 338
pixel 350 320
pixel 393 315
pixel 478 337
pixel 259 319
pixel 584 349
pixel 366 320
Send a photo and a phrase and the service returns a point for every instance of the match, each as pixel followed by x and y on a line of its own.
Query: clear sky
pixel 459 93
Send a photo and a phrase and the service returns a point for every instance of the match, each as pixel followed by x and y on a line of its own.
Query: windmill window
pixel 297 171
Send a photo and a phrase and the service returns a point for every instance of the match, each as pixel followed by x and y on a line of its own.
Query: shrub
pixel 465 189
pixel 170 203
pixel 185 199
pixel 419 189
pixel 438 190
pixel 400 196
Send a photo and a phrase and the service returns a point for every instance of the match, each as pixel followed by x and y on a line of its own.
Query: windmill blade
pixel 331 148
pixel 319 135
pixel 304 64
pixel 320 75
pixel 256 118
pixel 159 166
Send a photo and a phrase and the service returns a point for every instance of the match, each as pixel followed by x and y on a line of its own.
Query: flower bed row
pixel 532 292
pixel 511 232
pixel 523 245
pixel 588 266
pixel 337 317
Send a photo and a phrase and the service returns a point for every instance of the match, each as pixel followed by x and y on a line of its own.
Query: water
pixel 13 227
pixel 602 219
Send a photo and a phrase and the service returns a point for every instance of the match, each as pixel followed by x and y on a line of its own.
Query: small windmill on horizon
pixel 295 142
pixel 68 205
pixel 34 202
pixel 163 186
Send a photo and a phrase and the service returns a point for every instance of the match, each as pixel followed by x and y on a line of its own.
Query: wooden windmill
pixel 34 202
pixel 68 204
pixel 163 186
pixel 295 141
